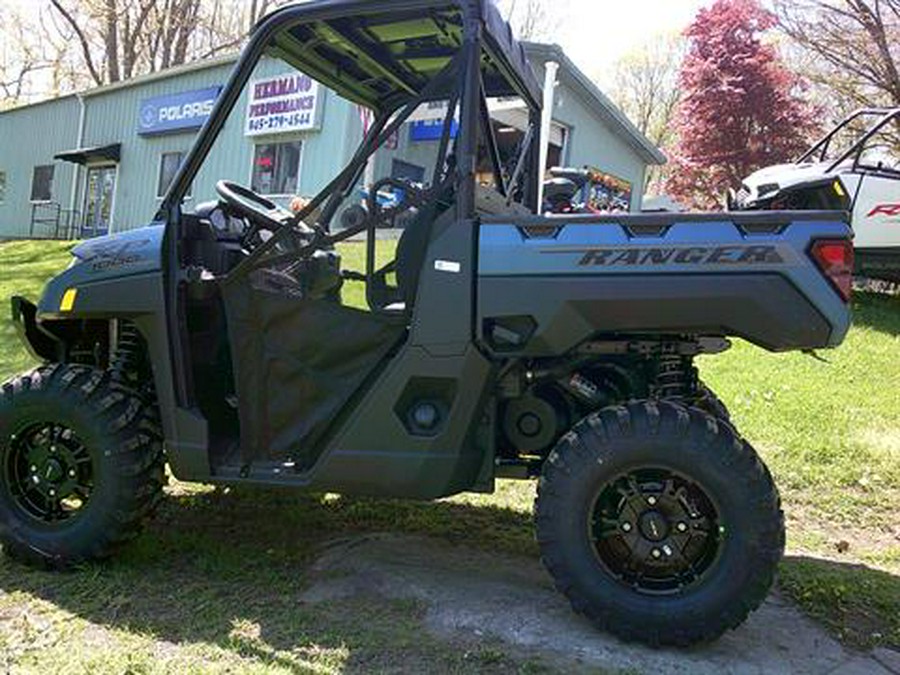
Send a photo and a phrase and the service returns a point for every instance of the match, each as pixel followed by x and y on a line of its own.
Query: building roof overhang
pixel 100 153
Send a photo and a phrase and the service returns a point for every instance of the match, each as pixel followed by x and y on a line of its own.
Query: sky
pixel 595 33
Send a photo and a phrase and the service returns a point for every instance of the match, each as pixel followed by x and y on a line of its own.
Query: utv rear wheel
pixel 708 401
pixel 659 523
pixel 81 465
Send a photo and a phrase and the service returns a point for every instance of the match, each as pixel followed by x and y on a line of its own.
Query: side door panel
pixel 876 212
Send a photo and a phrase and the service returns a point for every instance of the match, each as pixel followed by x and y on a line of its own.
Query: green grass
pixel 215 583
pixel 830 432
pixel 24 269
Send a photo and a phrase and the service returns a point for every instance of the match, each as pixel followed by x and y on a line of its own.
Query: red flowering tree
pixel 740 107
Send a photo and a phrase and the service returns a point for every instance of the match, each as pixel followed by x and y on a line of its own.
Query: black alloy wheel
pixel 655 530
pixel 49 473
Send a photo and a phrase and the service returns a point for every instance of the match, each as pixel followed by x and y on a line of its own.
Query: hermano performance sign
pixel 176 112
pixel 282 104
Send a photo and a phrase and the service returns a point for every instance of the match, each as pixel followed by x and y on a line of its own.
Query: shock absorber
pixel 126 352
pixel 673 376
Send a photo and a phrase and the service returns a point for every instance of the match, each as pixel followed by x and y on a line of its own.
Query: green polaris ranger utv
pixel 495 342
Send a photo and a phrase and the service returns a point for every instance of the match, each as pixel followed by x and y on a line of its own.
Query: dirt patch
pixel 810 531
pixel 472 594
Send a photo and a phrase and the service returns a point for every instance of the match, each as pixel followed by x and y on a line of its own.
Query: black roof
pixel 383 52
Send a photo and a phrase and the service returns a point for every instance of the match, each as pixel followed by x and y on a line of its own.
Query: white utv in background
pixel 854 168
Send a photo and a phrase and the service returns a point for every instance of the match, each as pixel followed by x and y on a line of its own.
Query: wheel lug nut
pixel 667 550
pixel 651 500
pixel 36 479
pixel 682 527
pixel 626 527
pixel 52 492
pixel 33 468
pixel 71 473
pixel 52 448
pixel 656 553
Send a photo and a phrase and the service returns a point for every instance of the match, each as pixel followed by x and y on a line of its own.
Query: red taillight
pixel 835 258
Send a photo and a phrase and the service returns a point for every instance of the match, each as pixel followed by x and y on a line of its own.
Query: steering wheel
pixel 412 197
pixel 262 213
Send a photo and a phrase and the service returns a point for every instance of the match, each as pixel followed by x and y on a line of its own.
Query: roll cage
pixel 389 56
pixel 818 152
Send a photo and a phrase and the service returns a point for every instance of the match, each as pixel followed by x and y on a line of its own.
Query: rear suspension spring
pixel 674 376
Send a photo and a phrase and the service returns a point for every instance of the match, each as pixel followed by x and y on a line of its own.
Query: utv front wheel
pixel 80 465
pixel 659 523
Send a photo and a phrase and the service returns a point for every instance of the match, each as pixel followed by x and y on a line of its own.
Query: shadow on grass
pixel 211 563
pixel 878 311
pixel 858 604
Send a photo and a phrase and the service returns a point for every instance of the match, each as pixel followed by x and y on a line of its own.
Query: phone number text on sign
pixel 281 104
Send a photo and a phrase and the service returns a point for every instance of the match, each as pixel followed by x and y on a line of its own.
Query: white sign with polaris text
pixel 282 104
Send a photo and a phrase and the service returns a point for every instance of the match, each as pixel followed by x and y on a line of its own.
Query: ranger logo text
pixel 691 255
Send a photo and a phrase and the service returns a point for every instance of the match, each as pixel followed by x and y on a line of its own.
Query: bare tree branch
pixel 94 42
pixel 854 45
pixel 534 19
pixel 645 87
pixel 82 39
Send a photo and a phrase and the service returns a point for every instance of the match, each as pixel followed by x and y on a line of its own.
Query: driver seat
pixel 413 244
pixel 412 248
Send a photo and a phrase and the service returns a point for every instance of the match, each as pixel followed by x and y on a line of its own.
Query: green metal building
pixel 100 161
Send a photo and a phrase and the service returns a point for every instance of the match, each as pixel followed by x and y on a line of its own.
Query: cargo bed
pixel 748 275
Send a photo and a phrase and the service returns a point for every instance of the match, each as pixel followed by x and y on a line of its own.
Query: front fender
pixel 120 277
pixel 124 297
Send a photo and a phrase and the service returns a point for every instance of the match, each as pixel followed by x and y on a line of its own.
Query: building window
pixel 276 168
pixel 2 186
pixel 169 163
pixel 42 183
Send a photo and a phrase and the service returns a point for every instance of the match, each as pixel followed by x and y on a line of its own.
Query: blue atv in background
pixel 496 343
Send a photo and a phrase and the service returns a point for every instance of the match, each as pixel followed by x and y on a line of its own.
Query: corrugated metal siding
pixel 592 143
pixel 30 137
pixel 113 117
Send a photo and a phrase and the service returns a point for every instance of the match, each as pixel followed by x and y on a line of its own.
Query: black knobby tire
pixel 83 424
pixel 737 559
pixel 710 402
